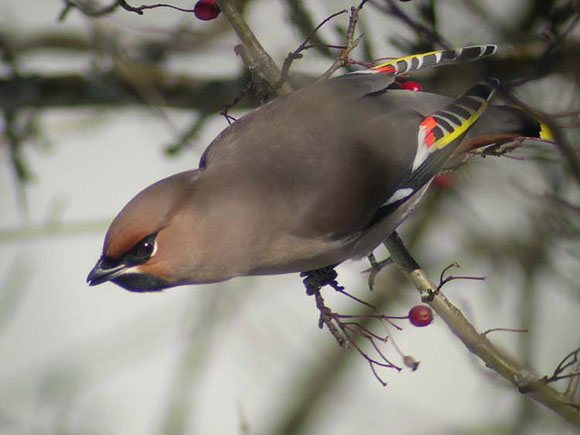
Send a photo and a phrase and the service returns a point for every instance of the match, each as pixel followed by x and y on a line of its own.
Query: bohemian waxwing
pixel 307 181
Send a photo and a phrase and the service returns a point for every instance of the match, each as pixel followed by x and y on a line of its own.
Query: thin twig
pixel 139 9
pixel 351 43
pixel 567 362
pixel 503 329
pixel 443 281
pixel 543 66
pixel 354 298
pixel 234 102
pixel 346 332
pixel 391 8
pixel 296 54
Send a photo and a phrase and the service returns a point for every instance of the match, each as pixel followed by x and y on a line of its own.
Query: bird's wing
pixel 345 91
pixel 331 159
pixel 329 170
pixel 438 135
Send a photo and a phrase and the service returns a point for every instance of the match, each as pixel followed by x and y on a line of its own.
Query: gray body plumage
pixel 315 166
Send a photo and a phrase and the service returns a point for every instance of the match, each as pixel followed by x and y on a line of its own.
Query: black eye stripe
pixel 109 262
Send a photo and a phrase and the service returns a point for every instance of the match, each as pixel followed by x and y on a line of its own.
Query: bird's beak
pixel 103 272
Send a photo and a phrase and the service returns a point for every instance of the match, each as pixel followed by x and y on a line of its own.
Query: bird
pixel 305 182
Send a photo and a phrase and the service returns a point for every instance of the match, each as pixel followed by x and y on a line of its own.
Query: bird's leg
pixel 376 267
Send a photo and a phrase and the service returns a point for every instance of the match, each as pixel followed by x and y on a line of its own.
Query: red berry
pixel 206 10
pixel 443 181
pixel 411 86
pixel 420 315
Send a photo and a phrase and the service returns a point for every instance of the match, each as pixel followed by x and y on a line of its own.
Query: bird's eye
pixel 142 251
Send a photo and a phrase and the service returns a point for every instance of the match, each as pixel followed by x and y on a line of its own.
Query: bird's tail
pixel 415 62
pixel 499 125
pixel 510 121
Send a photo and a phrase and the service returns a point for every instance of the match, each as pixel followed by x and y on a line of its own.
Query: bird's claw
pixel 314 280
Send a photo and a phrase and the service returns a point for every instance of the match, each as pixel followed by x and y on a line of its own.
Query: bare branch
pixel 478 344
pixel 256 53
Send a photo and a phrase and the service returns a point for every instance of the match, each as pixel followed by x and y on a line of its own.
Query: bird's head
pixel 144 249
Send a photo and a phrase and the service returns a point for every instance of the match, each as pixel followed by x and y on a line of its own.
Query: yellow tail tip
pixel 545 132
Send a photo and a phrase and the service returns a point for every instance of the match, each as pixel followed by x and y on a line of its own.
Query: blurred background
pixel 95 108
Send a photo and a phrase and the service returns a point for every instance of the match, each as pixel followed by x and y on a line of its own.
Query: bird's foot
pixel 314 280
